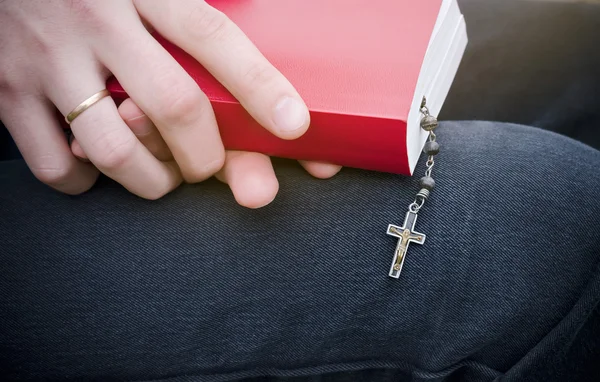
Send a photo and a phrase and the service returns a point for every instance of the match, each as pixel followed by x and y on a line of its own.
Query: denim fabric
pixel 106 286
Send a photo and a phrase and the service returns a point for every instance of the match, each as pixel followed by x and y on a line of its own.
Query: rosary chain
pixel 428 123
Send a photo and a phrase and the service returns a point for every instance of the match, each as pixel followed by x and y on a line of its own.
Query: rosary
pixel 406 234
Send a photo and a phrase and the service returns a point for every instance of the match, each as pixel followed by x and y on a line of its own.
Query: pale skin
pixel 57 53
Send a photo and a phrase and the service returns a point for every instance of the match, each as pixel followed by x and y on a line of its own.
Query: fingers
pixel 116 151
pixel 100 131
pixel 110 144
pixel 250 177
pixel 168 96
pixel 44 146
pixel 142 127
pixel 321 170
pixel 78 151
pixel 224 50
pixel 144 130
pixel 148 135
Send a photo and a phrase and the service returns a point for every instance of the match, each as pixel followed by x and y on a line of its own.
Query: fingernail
pixel 290 114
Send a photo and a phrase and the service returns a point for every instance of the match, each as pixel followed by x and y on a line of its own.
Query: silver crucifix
pixel 406 235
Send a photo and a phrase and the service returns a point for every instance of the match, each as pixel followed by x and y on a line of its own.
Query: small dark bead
pixel 431 148
pixel 429 123
pixel 427 183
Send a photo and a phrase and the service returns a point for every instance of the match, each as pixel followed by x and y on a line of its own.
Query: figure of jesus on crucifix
pixel 406 235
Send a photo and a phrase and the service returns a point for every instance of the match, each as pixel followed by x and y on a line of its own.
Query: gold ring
pixel 86 105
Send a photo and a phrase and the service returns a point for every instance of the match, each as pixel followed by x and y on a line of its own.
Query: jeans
pixel 106 286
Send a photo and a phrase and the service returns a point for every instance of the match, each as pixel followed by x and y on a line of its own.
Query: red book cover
pixel 356 63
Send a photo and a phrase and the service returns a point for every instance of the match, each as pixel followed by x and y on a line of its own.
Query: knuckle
pixel 91 15
pixel 52 174
pixel 201 172
pixel 114 151
pixel 16 80
pixel 216 165
pixel 182 107
pixel 206 23
pixel 83 7
pixel 156 194
pixel 8 86
pixel 159 192
pixel 259 76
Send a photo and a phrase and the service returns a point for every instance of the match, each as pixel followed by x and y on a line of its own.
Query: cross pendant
pixel 406 235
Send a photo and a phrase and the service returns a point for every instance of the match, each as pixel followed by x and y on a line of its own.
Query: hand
pixel 250 175
pixel 58 53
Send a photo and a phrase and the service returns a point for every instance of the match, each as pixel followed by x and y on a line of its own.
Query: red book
pixel 361 66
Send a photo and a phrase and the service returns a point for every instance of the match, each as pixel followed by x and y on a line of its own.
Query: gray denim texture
pixel 106 286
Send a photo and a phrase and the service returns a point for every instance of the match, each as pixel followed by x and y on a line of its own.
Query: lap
pixel 106 284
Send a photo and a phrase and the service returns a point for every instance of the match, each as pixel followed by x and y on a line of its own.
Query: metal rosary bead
pixel 431 148
pixel 429 123
pixel 427 183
